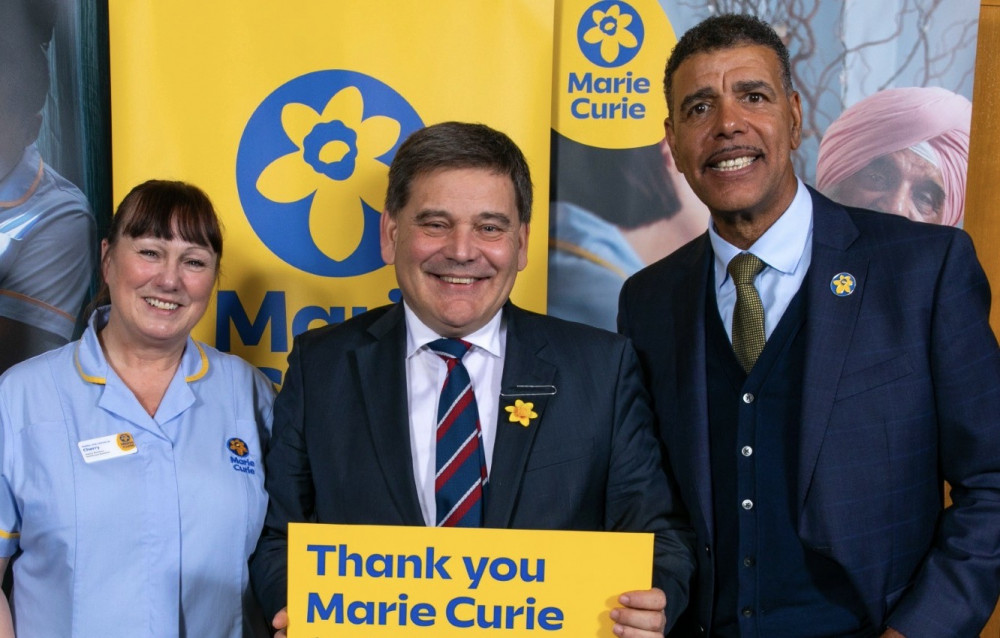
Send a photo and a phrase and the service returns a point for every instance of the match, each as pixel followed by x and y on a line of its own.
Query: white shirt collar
pixel 419 335
pixel 781 246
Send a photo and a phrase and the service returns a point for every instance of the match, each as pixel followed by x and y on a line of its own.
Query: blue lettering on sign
pixel 587 83
pixel 273 311
pixel 464 612
pixel 398 613
pixel 503 569
pixel 620 108
pixel 375 565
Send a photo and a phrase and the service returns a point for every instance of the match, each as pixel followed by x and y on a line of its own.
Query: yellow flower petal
pixel 347 106
pixel 336 221
pixel 626 39
pixel 624 21
pixel 521 412
pixel 376 135
pixel 371 186
pixel 609 49
pixel 614 12
pixel 593 35
pixel 288 179
pixel 297 120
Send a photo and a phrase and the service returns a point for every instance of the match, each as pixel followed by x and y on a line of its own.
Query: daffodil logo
pixel 312 165
pixel 843 284
pixel 610 33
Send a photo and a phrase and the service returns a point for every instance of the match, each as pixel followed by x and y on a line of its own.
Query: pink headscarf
pixel 895 119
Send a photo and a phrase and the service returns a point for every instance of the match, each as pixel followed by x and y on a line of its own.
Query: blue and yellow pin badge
pixel 237 447
pixel 843 284
pixel 521 412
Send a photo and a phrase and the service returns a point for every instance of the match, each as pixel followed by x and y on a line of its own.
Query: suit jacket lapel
pixel 830 325
pixel 526 376
pixel 381 369
pixel 691 375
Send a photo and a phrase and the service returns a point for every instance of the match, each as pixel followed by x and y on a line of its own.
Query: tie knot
pixel 744 267
pixel 450 348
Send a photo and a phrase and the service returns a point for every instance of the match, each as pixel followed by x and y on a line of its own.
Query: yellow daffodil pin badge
pixel 521 412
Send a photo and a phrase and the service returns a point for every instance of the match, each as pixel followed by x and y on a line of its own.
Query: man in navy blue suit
pixel 811 443
pixel 566 435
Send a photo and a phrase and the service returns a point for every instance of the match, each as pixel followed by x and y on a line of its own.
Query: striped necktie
pixel 460 462
pixel 748 315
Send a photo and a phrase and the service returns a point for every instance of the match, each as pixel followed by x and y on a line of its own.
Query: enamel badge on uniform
pixel 237 447
pixel 239 456
pixel 843 284
pixel 107 447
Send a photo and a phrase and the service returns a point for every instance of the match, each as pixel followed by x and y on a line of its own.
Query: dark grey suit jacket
pixel 901 392
pixel 340 450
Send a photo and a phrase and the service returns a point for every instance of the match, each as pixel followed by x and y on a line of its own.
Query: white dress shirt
pixel 786 250
pixel 425 376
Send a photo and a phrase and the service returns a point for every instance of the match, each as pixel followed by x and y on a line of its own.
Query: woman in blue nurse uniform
pixel 130 460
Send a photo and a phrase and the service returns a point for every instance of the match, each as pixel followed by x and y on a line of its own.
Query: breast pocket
pixel 551 455
pixel 874 376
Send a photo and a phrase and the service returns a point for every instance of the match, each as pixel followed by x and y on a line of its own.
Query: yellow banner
pixel 608 79
pixel 288 114
pixel 366 580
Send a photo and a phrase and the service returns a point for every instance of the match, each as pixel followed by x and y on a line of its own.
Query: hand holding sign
pixel 347 580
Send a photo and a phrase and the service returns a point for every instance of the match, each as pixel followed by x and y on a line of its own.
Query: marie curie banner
pixel 288 114
pixel 608 75
pixel 364 580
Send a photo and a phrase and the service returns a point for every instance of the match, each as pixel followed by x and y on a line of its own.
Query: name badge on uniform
pixel 107 447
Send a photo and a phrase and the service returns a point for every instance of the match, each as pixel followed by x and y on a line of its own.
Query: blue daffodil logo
pixel 610 33
pixel 335 162
pixel 312 167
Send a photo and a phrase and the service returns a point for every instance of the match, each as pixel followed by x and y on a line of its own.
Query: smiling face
pixel 901 183
pixel 732 129
pixel 159 289
pixel 457 246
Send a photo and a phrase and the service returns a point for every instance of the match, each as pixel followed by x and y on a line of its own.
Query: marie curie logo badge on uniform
pixel 239 456
pixel 311 169
pixel 237 447
pixel 610 33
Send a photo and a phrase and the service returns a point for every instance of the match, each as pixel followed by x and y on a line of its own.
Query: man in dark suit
pixel 564 439
pixel 810 442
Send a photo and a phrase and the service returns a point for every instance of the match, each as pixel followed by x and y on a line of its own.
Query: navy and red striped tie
pixel 460 460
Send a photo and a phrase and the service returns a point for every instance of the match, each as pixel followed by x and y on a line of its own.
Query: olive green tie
pixel 748 315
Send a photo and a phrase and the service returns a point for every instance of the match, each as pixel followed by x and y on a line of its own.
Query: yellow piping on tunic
pixel 202 371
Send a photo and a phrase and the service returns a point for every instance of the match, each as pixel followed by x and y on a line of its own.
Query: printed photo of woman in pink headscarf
pixel 903 151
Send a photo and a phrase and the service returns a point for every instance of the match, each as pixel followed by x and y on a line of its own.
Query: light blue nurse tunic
pixel 132 525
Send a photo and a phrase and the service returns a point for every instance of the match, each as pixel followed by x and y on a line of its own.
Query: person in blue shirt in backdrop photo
pixel 130 460
pixel 48 235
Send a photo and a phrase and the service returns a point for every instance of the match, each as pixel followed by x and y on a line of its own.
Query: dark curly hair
pixel 725 32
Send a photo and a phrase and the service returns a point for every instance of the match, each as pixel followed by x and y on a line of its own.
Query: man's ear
pixel 388 227
pixel 795 104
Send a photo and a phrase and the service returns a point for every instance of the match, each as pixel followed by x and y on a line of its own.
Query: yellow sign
pixel 608 78
pixel 363 580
